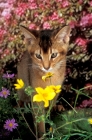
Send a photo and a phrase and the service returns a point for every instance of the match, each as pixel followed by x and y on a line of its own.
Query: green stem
pixel 69 104
pixel 86 87
pixel 49 109
pixel 26 121
pixel 76 98
pixel 70 123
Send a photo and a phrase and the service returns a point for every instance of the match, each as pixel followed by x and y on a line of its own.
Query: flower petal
pixel 20 82
pixel 46 103
pixel 37 98
pixel 44 78
pixel 56 89
pixel 17 86
pixel 50 94
pixel 39 90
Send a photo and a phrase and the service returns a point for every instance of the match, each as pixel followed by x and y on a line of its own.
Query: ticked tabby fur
pixel 46 52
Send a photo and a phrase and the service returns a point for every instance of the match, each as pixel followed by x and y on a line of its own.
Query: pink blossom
pixel 4 5
pixel 20 10
pixel 11 38
pixel 72 24
pixel 36 14
pixel 86 103
pixel 32 26
pixel 81 41
pixel 1 51
pixel 10 124
pixel 11 1
pixel 86 20
pixel 4 93
pixel 90 3
pixel 6 51
pixel 8 76
pixel 33 6
pixel 54 16
pixel 80 1
pixel 61 20
pixel 2 33
pixel 65 3
pixel 46 25
pixel 41 6
pixel 6 12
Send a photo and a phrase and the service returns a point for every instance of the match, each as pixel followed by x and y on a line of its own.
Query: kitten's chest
pixel 56 79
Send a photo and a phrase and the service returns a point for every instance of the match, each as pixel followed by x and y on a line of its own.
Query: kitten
pixel 46 52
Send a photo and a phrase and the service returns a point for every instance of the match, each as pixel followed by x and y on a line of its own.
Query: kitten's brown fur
pixel 46 52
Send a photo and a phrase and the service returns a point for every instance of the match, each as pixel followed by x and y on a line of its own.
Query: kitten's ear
pixel 28 35
pixel 63 34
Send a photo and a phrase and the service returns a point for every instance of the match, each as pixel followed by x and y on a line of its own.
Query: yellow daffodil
pixel 20 84
pixel 56 89
pixel 90 120
pixel 44 95
pixel 47 75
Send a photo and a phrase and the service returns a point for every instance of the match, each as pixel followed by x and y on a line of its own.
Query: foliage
pixel 71 125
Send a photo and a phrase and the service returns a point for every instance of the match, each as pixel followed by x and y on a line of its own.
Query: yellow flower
pixel 20 84
pixel 56 89
pixel 44 95
pixel 47 75
pixel 90 120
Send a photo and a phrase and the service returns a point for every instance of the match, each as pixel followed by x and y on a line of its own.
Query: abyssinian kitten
pixel 46 52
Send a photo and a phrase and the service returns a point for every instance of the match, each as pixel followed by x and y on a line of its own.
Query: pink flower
pixel 80 41
pixel 2 33
pixel 22 7
pixel 46 25
pixel 10 125
pixel 54 16
pixel 4 5
pixel 7 51
pixel 33 6
pixel 65 3
pixel 36 14
pixel 7 75
pixel 72 24
pixel 4 93
pixel 86 103
pixel 86 20
pixel 11 2
pixel 80 1
pixel 61 20
pixel 41 6
pixel 90 3
pixel 32 26
pixel 6 12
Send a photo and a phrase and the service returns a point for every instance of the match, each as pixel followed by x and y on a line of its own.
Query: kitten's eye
pixel 53 55
pixel 38 56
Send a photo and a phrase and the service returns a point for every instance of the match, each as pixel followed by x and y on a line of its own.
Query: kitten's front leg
pixel 39 119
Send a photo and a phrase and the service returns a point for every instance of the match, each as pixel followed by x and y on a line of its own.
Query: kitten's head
pixel 47 48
